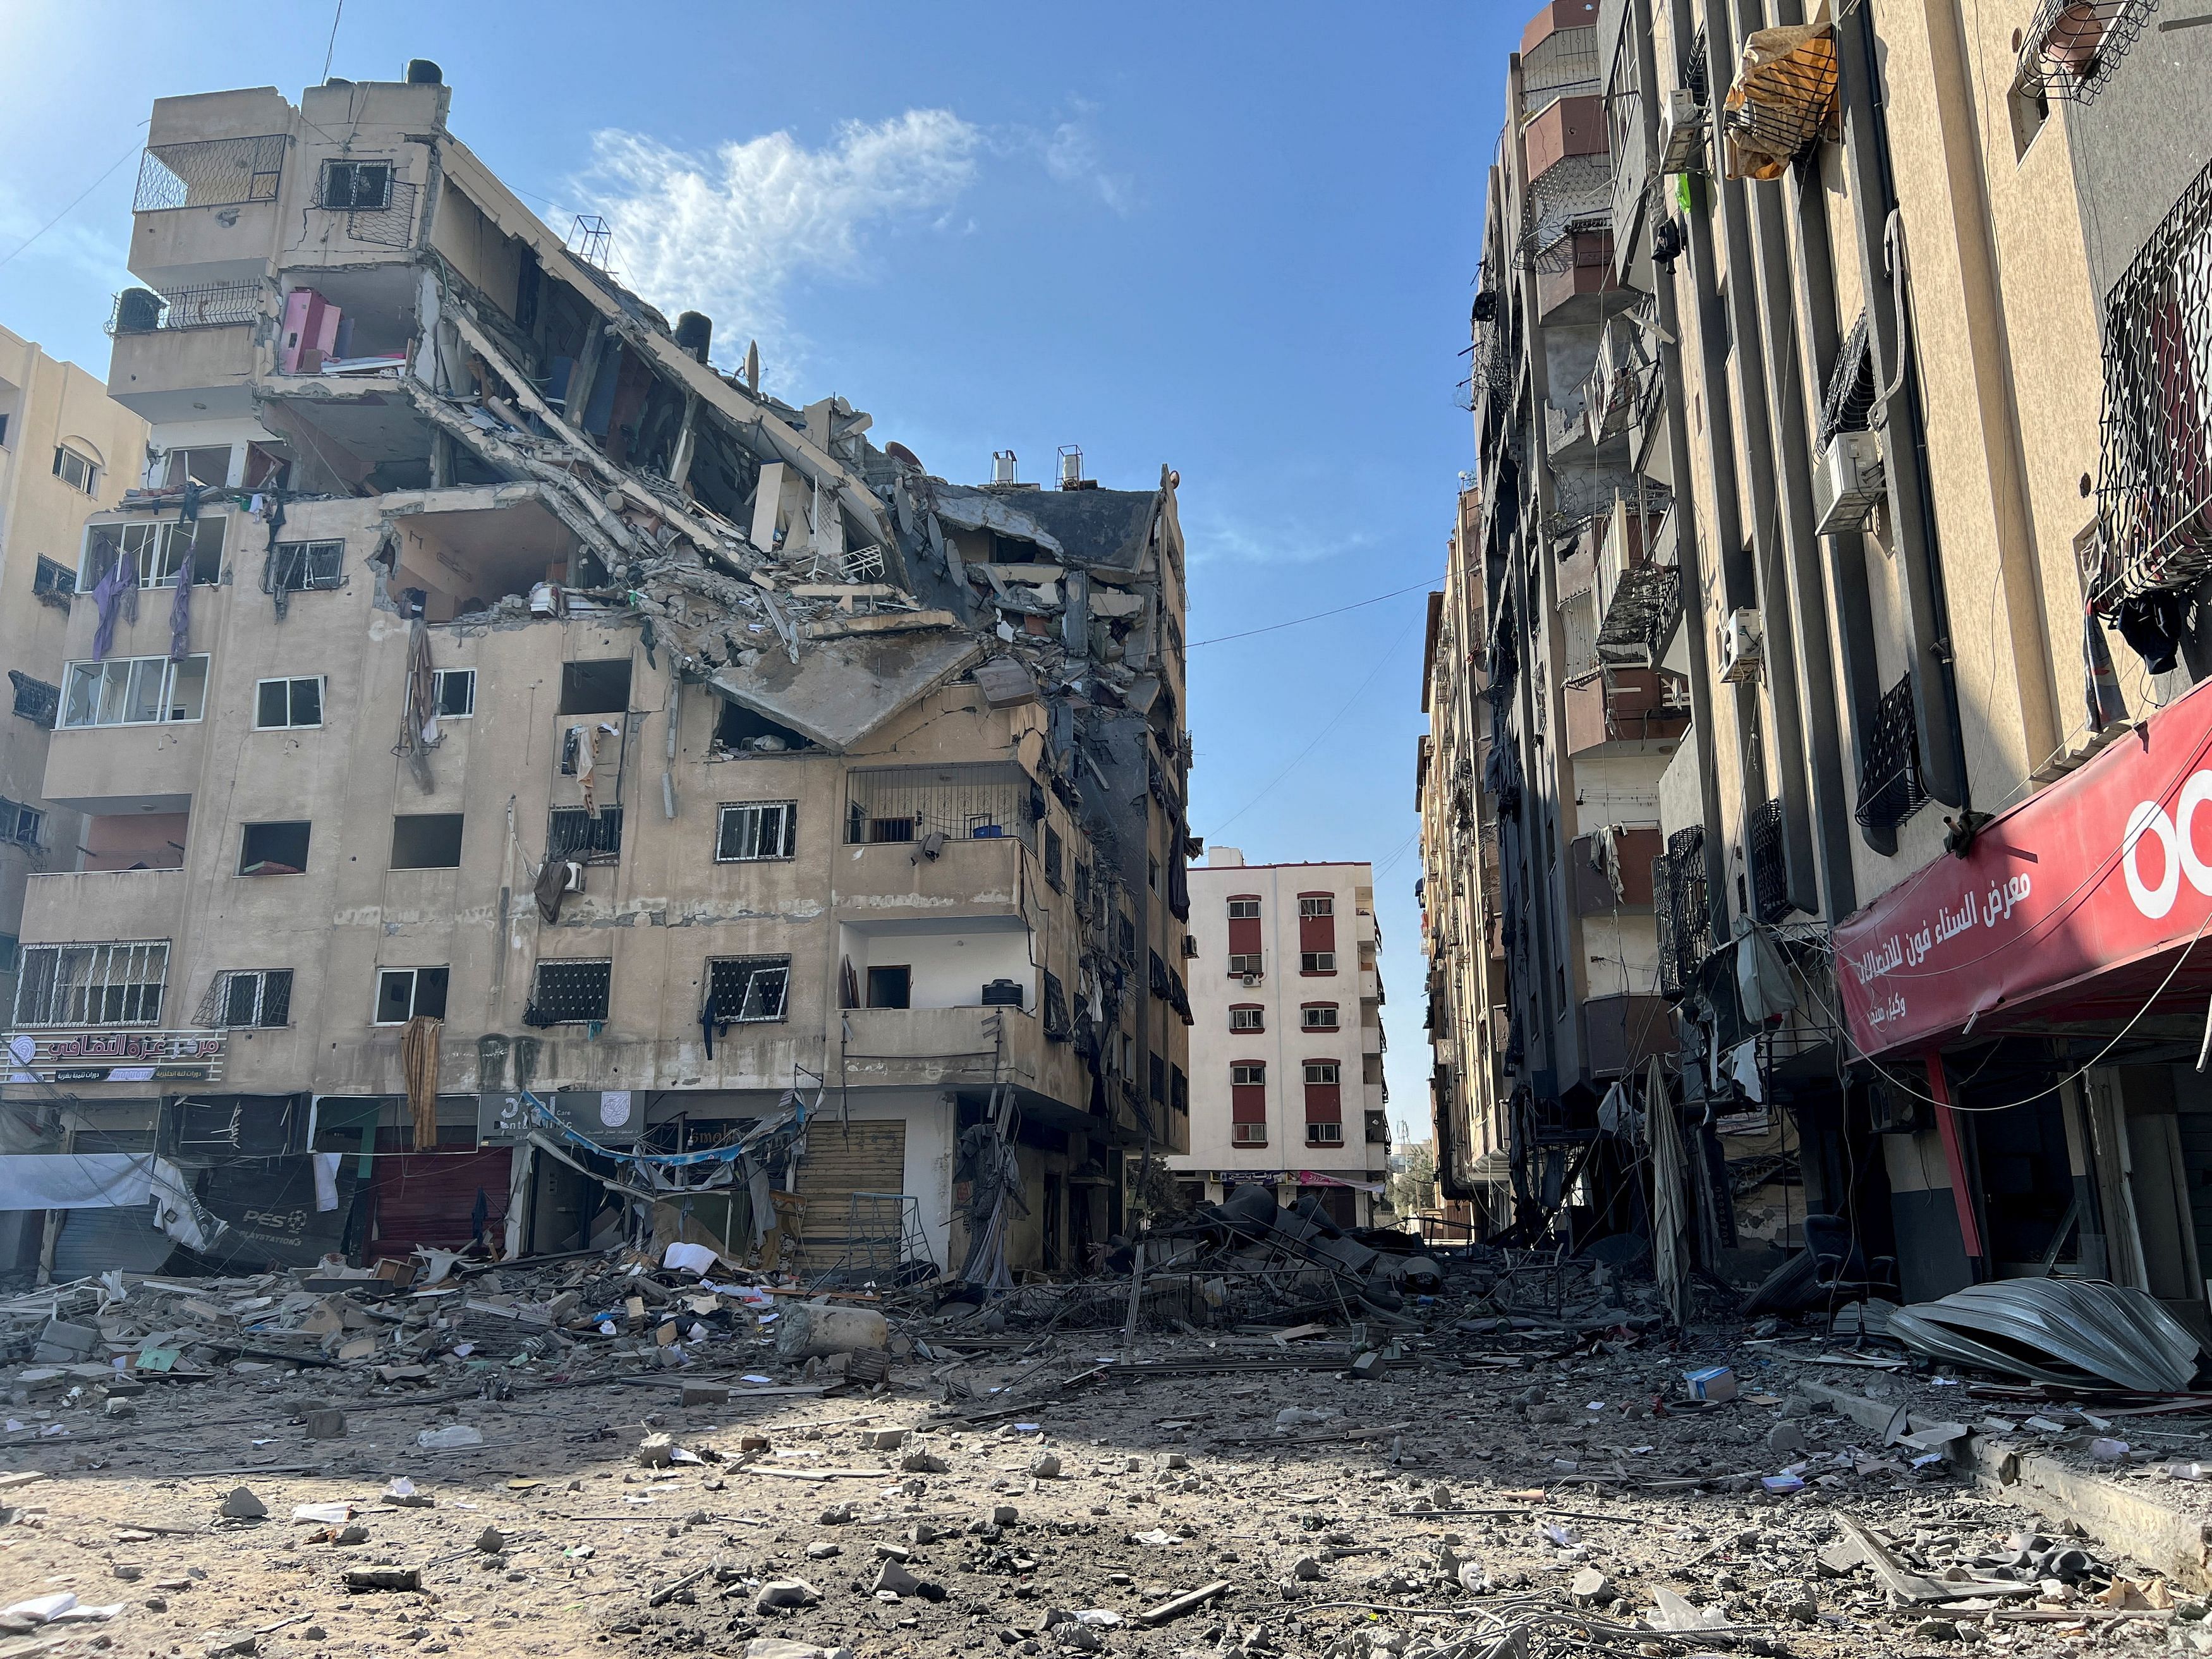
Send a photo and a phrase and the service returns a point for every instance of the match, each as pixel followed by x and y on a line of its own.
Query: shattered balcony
pixel 1626 711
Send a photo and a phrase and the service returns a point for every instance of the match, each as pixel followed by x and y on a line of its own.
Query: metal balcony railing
pixel 216 173
pixel 1770 874
pixel 2155 475
pixel 2069 49
pixel 218 305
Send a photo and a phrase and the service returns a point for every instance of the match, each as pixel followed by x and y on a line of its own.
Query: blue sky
pixel 1233 239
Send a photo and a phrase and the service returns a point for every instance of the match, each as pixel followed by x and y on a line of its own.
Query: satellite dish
pixel 752 365
pixel 905 457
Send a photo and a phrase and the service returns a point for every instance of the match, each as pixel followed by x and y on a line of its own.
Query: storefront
pixel 2027 1021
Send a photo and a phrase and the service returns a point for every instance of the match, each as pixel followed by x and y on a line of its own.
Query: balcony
pixel 1574 279
pixel 1566 127
pixel 176 369
pixel 1633 851
pixel 104 904
pixel 976 876
pixel 1619 1033
pixel 958 1048
pixel 206 209
pixel 1625 711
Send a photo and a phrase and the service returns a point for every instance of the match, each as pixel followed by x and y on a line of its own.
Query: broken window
pixel 1156 1078
pixel 1317 1017
pixel 1056 1026
pixel 570 994
pixel 1052 854
pixel 116 984
pixel 274 849
pixel 159 552
pixel 207 465
pixel 574 834
pixel 305 566
pixel 406 993
pixel 19 825
pixel 426 841
pixel 453 692
pixel 738 728
pixel 35 701
pixel 260 997
pixel 1178 1091
pixel 595 688
pixel 749 831
pixel 54 582
pixel 282 703
pixel 133 691
pixel 747 990
pixel 1124 938
pixel 890 988
pixel 351 186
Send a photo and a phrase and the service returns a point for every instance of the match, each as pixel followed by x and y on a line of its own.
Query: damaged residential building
pixel 1816 687
pixel 583 792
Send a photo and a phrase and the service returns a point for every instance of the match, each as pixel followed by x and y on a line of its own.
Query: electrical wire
pixel 78 197
pixel 1295 622
pixel 1382 663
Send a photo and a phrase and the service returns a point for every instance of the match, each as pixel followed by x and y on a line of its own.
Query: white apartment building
pixel 1286 1051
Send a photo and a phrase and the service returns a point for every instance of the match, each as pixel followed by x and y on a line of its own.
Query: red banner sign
pixel 2072 904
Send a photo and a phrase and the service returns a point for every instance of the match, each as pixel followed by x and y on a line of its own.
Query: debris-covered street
pixel 546 1456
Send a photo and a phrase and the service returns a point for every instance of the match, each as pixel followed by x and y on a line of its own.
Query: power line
pixel 332 51
pixel 71 208
pixel 1381 664
pixel 1222 638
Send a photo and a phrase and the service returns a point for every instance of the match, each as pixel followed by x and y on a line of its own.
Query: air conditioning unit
pixel 1682 127
pixel 1847 481
pixel 1251 980
pixel 1743 647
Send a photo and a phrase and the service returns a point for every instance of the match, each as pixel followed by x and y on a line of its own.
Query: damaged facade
pixel 544 768
pixel 1837 396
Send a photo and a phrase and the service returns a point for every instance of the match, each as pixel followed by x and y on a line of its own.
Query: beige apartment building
pixel 1286 1045
pixel 590 795
pixel 1888 453
pixel 66 448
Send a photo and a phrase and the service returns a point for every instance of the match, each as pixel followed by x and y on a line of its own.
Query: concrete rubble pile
pixel 1519 1459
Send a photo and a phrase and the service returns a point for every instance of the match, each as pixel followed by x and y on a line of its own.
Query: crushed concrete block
pixel 1590 1587
pixel 780 1593
pixel 327 1424
pixel 1045 1466
pixel 242 1505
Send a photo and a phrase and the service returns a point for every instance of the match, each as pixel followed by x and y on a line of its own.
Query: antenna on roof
pixel 752 367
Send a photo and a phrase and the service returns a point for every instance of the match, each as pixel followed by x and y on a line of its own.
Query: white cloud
pixel 728 233
pixel 1071 156
pixel 1215 537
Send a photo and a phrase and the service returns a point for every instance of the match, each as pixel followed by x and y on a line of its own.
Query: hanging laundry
pixel 181 616
pixel 116 595
pixel 2101 687
pixel 2153 623
pixel 586 743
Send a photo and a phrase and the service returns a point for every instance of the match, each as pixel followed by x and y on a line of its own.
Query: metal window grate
pixel 117 984
pixel 218 305
pixel 35 701
pixel 1563 64
pixel 1056 1025
pixel 53 582
pixel 1848 405
pixel 391 225
pixel 1890 789
pixel 2155 475
pixel 2070 49
pixel 1777 111
pixel 1695 76
pixel 1679 900
pixel 981 802
pixel 1770 874
pixel 574 833
pixel 745 990
pixel 217 172
pixel 240 999
pixel 570 994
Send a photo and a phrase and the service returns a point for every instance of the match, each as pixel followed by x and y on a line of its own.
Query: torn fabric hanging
pixel 2102 686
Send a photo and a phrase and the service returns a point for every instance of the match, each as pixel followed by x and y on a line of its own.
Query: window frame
pixel 1238 1067
pixel 101 671
pixel 1324 1135
pixel 439 678
pixel 1257 959
pixel 789 808
pixel 166 549
pixel 754 967
pixel 19 823
pixel 352 168
pixel 538 986
pixel 1310 963
pixel 1248 1134
pixel 1308 1023
pixel 258 1021
pixel 1257 1010
pixel 1313 906
pixel 92 469
pixel 605 826
pixel 102 954
pixel 320 568
pixel 414 993
pixel 291 683
pixel 245 837
pixel 461 845
pixel 1236 914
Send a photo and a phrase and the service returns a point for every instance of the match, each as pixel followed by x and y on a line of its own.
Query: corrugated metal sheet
pixel 93 1241
pixel 2068 1331
pixel 428 1198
